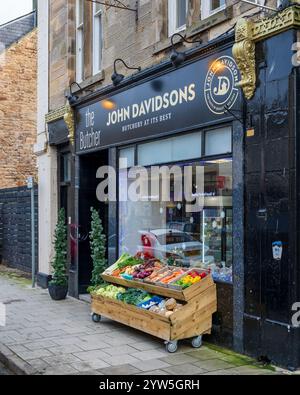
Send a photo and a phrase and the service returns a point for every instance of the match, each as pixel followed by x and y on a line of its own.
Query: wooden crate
pixel 180 295
pixel 193 319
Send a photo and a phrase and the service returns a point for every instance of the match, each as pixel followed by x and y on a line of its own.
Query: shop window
pixel 210 7
pixel 180 148
pixel 79 40
pixel 97 38
pixel 218 142
pixel 167 228
pixel 177 12
pixel 127 157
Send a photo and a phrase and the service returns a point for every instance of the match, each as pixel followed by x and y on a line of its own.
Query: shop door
pixel 87 199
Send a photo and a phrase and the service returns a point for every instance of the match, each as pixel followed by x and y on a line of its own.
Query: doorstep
pixel 85 298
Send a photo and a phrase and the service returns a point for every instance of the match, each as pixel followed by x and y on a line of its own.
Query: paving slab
pixel 122 370
pixel 153 364
pixel 60 338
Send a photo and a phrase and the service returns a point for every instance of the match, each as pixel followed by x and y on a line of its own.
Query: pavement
pixel 43 337
pixel 4 371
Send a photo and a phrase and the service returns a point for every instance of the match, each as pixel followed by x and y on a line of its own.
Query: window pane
pixel 154 153
pixel 179 148
pixel 79 55
pixel 97 8
pixel 186 147
pixel 128 155
pixel 80 12
pixel 215 4
pixel 97 44
pixel 168 231
pixel 181 6
pixel 218 142
pixel 65 168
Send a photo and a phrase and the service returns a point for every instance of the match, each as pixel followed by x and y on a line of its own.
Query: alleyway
pixel 44 337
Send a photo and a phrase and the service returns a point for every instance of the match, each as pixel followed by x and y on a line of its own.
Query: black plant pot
pixel 58 292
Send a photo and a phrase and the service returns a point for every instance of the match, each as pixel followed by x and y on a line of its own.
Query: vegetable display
pixel 173 276
pixel 166 307
pixel 147 269
pixel 190 279
pixel 110 291
pixel 143 267
pixel 126 260
pixel 134 296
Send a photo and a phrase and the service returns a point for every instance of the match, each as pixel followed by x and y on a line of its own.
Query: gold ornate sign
pixel 248 33
pixel 244 54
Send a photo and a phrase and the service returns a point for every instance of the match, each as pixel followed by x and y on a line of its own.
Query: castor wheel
pixel 172 347
pixel 197 342
pixel 96 318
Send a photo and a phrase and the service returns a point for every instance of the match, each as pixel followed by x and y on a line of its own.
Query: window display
pixel 169 232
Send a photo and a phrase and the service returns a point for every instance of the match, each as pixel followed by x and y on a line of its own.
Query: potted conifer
pixel 58 286
pixel 98 250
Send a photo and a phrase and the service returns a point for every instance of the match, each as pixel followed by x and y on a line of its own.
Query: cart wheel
pixel 197 342
pixel 172 347
pixel 96 318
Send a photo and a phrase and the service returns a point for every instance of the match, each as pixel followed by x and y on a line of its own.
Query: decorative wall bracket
pixel 244 54
pixel 69 119
pixel 248 33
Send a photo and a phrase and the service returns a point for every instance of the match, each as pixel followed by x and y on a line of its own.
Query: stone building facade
pixel 79 42
pixel 140 39
pixel 18 101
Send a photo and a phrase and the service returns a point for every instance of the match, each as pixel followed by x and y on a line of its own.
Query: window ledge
pixel 86 84
pixel 196 28
pixel 211 21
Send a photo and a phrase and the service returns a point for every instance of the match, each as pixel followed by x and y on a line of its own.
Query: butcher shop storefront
pixel 167 139
pixel 199 169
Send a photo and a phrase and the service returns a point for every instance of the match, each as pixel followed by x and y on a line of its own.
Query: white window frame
pixel 206 9
pixel 172 17
pixel 79 42
pixel 97 40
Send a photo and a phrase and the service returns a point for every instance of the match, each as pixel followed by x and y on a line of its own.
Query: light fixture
pixel 72 98
pixel 177 58
pixel 118 78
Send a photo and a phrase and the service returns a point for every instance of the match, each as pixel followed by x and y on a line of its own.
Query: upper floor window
pixel 177 10
pixel 210 7
pixel 97 38
pixel 79 40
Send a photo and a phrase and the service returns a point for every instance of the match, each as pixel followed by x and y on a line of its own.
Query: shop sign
pixel 189 97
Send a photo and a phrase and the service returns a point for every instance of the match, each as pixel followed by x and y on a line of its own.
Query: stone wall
pixel 143 43
pixel 18 70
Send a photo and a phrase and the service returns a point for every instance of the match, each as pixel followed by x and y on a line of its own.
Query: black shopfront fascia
pixel 266 197
pixel 187 117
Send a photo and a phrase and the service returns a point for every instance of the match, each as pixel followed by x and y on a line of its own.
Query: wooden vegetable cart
pixel 191 321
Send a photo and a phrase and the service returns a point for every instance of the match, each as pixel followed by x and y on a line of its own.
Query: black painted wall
pixel 271 207
pixel 15 227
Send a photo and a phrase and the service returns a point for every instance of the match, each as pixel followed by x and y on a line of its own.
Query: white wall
pixel 46 156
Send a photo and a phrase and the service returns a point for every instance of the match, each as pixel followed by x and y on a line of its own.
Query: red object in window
pixel 221 180
pixel 148 243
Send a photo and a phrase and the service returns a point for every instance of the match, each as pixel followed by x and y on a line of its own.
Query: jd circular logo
pixel 220 89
